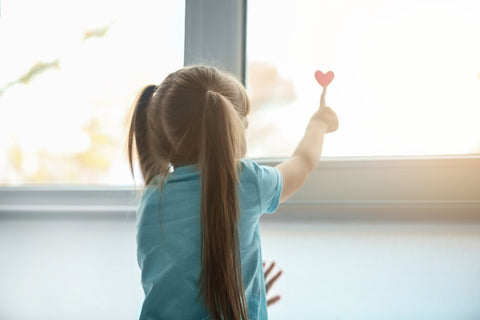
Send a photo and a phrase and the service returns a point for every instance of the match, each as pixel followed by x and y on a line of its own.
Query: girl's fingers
pixel 322 98
pixel 273 280
pixel 272 300
pixel 267 272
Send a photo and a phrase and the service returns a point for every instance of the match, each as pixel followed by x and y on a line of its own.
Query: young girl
pixel 198 241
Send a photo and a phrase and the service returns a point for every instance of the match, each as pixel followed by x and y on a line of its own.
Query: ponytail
pixel 138 132
pixel 221 276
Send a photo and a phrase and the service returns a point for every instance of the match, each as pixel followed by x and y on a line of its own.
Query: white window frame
pixel 375 189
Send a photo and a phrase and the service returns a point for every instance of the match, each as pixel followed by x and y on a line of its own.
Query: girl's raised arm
pixel 304 159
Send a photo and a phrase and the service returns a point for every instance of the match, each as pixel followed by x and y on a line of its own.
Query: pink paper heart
pixel 324 79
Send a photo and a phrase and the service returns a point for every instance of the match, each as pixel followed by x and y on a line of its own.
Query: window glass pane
pixel 407 75
pixel 70 71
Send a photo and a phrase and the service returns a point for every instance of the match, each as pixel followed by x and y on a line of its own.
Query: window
pixel 91 94
pixel 333 225
pixel 407 75
pixel 70 72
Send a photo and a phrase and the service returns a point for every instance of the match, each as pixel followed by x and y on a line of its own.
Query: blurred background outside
pixel 407 79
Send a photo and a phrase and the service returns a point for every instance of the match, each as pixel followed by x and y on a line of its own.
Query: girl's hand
pixel 325 115
pixel 269 283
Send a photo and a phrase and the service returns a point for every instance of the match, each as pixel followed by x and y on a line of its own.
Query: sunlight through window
pixel 406 75
pixel 69 74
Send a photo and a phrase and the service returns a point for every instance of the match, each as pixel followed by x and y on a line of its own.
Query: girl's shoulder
pixel 248 168
pixel 251 170
pixel 253 167
pixel 264 181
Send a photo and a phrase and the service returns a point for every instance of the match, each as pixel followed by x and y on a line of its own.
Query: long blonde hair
pixel 195 116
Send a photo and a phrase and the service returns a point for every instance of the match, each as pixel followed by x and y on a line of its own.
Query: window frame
pixel 351 189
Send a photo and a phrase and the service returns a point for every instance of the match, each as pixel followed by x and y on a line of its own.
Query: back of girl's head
pixel 196 116
pixel 168 123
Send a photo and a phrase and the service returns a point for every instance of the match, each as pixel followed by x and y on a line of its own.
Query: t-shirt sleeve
pixel 270 183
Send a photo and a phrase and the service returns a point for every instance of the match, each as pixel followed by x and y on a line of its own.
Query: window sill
pixel 416 189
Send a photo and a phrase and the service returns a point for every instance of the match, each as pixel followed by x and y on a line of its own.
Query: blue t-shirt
pixel 169 238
